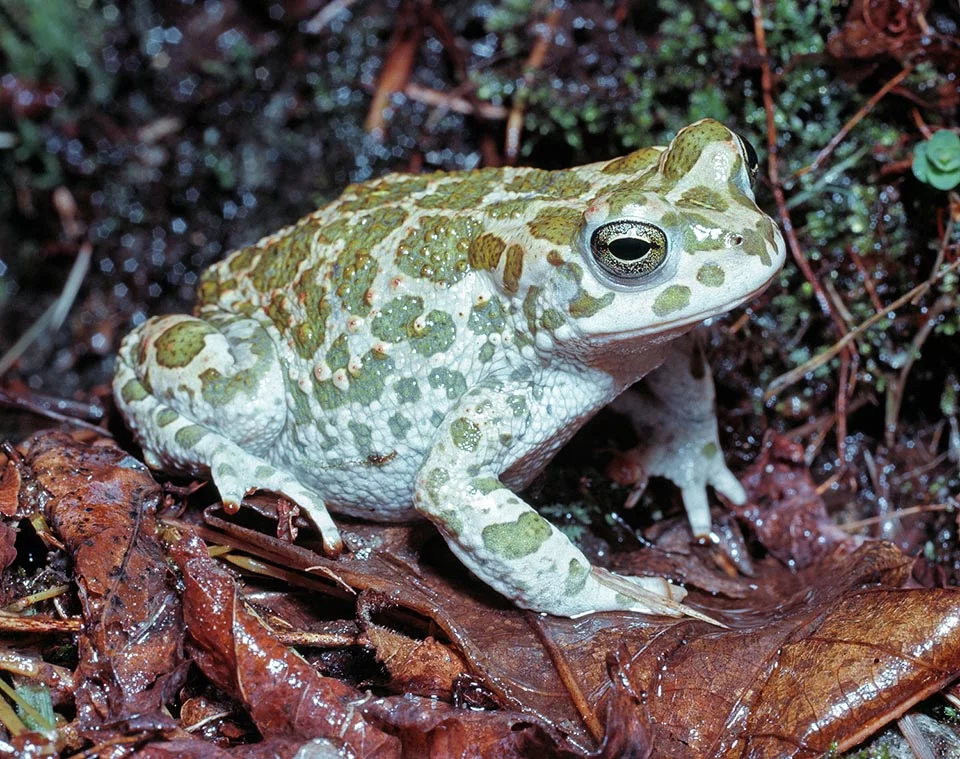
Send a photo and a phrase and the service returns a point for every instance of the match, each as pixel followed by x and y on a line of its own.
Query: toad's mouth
pixel 667 329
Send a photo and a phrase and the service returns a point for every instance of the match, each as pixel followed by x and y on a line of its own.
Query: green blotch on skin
pixel 487 318
pixel 189 436
pixel 452 381
pixel 438 333
pixel 514 540
pixel 466 435
pixel 365 386
pixel 710 450
pixel 407 389
pixel 557 225
pixel 277 264
pixel 435 479
pixel 517 404
pixel 583 305
pixel 399 425
pixel 633 163
pixel 357 266
pixel 449 521
pixel 438 248
pixel 710 275
pixel 506 209
pixel 674 298
pixel 396 323
pixel 436 418
pixel 241 261
pixel 548 184
pixel 338 355
pixel 133 391
pixel 513 268
pixel 263 472
pixel 166 416
pixel 461 192
pixel 308 290
pixel 276 308
pixel 302 413
pixel 226 471
pixel 486 352
pixel 685 150
pixel 362 436
pixel 182 343
pixel 220 389
pixel 485 485
pixel 586 305
pixel 577 576
pixel 552 319
pixel 572 271
pixel 529 308
pixel 375 194
pixel 694 241
pixel 485 251
pixel 703 197
pixel 628 192
pixel 758 241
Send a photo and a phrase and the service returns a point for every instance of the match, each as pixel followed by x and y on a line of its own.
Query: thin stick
pixel 56 312
pixel 773 172
pixel 788 378
pixel 854 120
pixel 898 514
pixel 567 677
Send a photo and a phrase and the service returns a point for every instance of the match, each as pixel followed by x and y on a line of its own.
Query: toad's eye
pixel 750 156
pixel 629 250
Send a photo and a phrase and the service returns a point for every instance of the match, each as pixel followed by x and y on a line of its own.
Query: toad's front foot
pixel 672 412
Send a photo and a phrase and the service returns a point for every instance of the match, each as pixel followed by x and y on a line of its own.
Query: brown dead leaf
pixel 812 658
pixel 101 504
pixel 9 488
pixel 424 667
pixel 289 700
pixel 846 653
pixel 8 540
pixel 783 508
pixel 283 694
pixel 790 632
pixel 874 28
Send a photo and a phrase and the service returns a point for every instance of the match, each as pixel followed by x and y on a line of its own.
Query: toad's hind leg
pixel 207 395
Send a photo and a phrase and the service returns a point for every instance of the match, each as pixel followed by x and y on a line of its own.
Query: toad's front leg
pixel 503 540
pixel 673 413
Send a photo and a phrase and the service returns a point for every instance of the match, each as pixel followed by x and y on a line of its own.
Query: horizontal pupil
pixel 629 248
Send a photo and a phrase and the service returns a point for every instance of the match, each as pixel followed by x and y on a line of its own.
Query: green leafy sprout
pixel 937 161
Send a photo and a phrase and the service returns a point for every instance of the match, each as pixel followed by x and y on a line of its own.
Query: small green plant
pixel 937 161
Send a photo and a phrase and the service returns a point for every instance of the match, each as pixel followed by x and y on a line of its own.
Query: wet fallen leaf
pixel 790 631
pixel 812 659
pixel 425 667
pixel 101 504
pixel 284 695
pixel 783 507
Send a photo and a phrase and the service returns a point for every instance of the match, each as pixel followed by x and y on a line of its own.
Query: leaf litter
pixel 404 654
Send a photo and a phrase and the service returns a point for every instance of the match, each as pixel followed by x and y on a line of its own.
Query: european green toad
pixel 423 345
